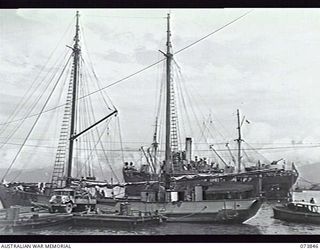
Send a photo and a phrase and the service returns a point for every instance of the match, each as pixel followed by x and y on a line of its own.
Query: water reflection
pixel 164 229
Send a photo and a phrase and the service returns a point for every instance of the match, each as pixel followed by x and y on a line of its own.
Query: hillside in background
pixel 309 174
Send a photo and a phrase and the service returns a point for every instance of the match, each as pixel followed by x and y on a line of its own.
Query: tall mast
pixel 168 158
pixel 76 55
pixel 239 140
pixel 155 144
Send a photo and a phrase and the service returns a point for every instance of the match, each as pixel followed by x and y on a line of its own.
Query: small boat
pixel 125 217
pixel 15 218
pixel 302 212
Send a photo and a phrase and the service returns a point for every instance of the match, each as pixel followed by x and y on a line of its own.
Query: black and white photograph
pixel 159 122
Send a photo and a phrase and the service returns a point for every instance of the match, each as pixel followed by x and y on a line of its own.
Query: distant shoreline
pixel 305 189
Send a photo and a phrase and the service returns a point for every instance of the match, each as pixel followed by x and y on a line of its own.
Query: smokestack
pixel 188 148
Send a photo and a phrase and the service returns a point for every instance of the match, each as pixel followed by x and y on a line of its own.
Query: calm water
pixel 262 223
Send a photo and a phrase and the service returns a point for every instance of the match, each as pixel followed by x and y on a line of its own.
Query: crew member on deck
pixel 131 165
pixel 126 165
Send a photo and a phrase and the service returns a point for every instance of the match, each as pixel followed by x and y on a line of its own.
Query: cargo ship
pixel 276 182
pixel 277 178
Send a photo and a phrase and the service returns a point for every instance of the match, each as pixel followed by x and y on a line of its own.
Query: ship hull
pixel 285 214
pixel 219 211
pixel 278 187
pixel 11 197
pixel 275 186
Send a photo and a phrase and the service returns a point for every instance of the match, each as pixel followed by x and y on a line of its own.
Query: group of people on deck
pixel 201 165
pixel 33 188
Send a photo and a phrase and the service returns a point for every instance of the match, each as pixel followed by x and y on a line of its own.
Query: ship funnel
pixel 188 148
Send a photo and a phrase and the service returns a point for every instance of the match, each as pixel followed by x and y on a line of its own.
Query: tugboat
pixel 301 212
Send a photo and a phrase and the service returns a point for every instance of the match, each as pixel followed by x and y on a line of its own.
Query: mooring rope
pixel 189 215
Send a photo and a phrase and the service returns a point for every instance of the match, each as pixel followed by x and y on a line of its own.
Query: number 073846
pixel 308 245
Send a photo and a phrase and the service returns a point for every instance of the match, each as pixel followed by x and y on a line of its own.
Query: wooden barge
pixel 111 220
pixel 23 218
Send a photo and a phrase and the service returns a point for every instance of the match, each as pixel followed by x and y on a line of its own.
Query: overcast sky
pixel 266 64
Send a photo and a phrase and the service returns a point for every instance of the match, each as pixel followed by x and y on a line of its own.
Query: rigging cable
pixel 95 148
pixel 177 103
pixel 126 17
pixel 256 151
pixel 134 150
pixel 92 133
pixel 121 145
pixel 189 99
pixel 82 125
pixel 141 70
pixel 104 100
pixel 158 88
pixel 210 34
pixel 35 122
pixel 182 97
pixel 33 106
pixel 24 98
pixel 80 139
pixel 94 72
pixel 100 135
pixel 88 122
pixel 248 157
pixel 90 113
pixel 192 96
